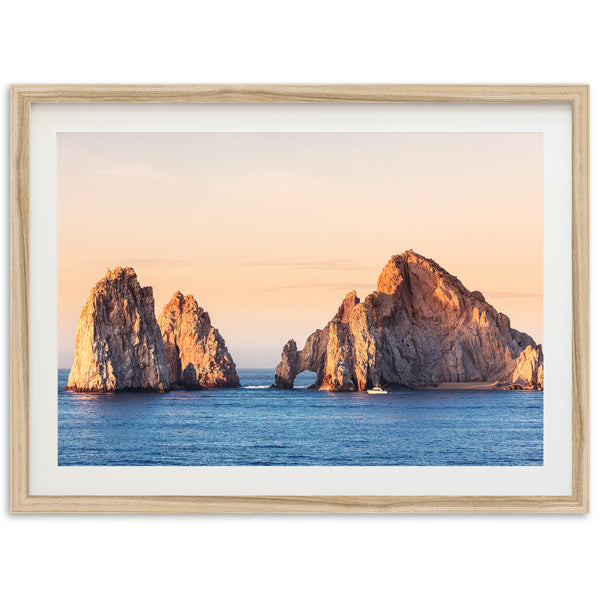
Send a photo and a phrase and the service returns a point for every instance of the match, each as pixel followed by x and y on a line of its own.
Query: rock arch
pixel 420 327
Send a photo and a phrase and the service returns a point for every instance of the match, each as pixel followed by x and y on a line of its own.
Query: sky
pixel 269 231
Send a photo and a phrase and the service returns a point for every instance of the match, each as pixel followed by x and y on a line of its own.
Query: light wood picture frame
pixel 22 98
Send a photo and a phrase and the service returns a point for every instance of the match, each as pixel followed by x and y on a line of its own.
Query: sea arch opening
pixel 304 379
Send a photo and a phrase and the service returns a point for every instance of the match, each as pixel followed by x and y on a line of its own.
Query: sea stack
pixel 420 328
pixel 118 345
pixel 195 352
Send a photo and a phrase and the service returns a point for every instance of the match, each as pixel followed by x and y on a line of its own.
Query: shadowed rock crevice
pixel 421 327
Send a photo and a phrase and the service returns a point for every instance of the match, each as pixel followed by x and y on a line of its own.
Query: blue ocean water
pixel 258 425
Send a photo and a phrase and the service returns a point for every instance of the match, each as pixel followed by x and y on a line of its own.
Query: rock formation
pixel 421 327
pixel 118 345
pixel 195 352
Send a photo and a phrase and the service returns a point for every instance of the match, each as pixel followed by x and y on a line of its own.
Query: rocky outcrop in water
pixel 118 345
pixel 195 352
pixel 121 347
pixel 421 327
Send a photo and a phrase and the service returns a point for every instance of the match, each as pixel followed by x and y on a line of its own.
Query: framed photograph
pixel 300 298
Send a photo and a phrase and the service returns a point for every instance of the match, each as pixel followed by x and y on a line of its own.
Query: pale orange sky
pixel 269 231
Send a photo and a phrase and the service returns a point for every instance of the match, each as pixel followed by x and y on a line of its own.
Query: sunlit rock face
pixel 118 345
pixel 421 327
pixel 195 352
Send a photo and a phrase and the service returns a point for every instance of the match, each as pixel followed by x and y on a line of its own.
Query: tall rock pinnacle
pixel 118 345
pixel 195 352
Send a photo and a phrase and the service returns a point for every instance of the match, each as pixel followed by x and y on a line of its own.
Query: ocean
pixel 258 425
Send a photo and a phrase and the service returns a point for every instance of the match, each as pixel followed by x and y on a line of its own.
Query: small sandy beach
pixel 463 385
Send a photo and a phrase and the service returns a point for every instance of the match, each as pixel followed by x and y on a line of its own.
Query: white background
pixel 297 556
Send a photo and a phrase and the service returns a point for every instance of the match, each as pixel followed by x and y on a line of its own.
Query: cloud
pixel 303 263
pixel 513 295
pixel 158 262
pixel 323 285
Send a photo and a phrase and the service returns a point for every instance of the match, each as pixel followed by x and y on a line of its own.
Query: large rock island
pixel 421 327
pixel 118 345
pixel 195 351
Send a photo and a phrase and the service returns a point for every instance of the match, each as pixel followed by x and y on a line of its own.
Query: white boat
pixel 377 390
